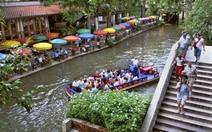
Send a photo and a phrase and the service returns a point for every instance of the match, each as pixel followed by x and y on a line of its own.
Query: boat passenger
pixel 75 83
pixel 94 89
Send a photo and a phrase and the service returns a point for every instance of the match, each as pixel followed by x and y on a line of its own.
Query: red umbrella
pixel 131 24
pixel 120 26
pixel 24 51
pixel 24 40
pixel 100 32
pixel 71 38
pixel 51 35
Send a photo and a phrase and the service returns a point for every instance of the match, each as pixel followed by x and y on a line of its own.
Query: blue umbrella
pixel 86 36
pixel 58 42
pixel 125 24
pixel 2 56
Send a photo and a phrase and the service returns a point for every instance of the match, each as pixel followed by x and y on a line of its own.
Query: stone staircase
pixel 198 110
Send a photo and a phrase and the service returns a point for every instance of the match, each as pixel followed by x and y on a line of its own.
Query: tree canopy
pixel 199 19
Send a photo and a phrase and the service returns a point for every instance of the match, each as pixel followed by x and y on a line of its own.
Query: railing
pixel 160 91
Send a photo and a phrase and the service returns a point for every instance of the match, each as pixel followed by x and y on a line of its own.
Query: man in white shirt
pixel 191 72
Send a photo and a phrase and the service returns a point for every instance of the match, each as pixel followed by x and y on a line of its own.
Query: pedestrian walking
pixel 179 65
pixel 182 94
pixel 198 45
pixel 191 73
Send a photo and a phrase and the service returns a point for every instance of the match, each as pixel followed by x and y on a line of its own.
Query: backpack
pixel 195 43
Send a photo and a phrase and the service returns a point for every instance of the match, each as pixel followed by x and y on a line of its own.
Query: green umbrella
pixel 39 38
pixel 116 28
pixel 83 31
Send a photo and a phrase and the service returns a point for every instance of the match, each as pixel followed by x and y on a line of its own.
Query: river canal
pixel 151 47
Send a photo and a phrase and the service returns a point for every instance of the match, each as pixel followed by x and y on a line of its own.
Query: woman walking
pixel 179 62
pixel 182 94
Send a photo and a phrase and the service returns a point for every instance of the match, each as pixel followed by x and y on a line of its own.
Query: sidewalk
pixel 206 56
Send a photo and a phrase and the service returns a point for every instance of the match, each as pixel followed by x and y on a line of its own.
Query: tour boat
pixel 148 74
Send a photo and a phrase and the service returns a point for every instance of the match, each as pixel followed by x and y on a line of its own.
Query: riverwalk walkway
pixel 162 114
pixel 206 56
pixel 54 63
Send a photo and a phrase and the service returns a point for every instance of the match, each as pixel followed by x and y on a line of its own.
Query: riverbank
pixel 25 74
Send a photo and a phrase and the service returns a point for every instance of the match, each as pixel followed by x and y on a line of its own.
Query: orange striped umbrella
pixel 121 26
pixel 51 35
pixel 71 38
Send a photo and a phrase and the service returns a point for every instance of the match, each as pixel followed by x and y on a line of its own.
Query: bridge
pixel 162 114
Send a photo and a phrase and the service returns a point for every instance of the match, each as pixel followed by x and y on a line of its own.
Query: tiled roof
pixel 31 11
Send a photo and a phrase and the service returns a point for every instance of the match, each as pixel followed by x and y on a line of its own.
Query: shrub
pixel 116 110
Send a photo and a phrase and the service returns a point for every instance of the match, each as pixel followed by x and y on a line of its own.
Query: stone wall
pixel 82 126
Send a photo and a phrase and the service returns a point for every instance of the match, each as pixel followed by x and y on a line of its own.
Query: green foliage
pixel 119 111
pixel 164 6
pixel 199 19
pixel 9 90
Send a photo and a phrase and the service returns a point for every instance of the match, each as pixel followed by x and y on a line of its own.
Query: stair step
pixel 193 96
pixel 197 103
pixel 204 71
pixel 203 67
pixel 172 87
pixel 196 109
pixel 181 118
pixel 201 92
pixel 198 76
pixel 203 81
pixel 204 76
pixel 186 127
pixel 188 113
pixel 164 128
pixel 202 86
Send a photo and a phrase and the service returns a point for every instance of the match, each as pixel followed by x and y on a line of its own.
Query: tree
pixel 199 19
pixel 9 89
pixel 75 7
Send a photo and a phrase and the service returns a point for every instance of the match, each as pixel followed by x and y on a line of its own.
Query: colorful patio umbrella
pixel 126 18
pixel 51 35
pixel 25 40
pixel 2 57
pixel 134 21
pixel 24 51
pixel 58 41
pixel 10 43
pixel 42 46
pixel 71 38
pixel 132 17
pixel 125 24
pixel 109 30
pixel 116 28
pixel 83 31
pixel 121 26
pixel 100 32
pixel 86 36
pixel 143 19
pixel 39 38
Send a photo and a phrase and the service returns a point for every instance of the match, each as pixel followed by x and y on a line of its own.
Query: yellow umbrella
pixel 10 43
pixel 134 21
pixel 126 18
pixel 42 46
pixel 109 30
pixel 154 17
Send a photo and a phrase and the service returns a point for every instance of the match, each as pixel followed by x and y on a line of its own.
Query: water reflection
pixel 151 47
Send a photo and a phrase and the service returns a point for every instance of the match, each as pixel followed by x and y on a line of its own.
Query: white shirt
pixel 200 44
pixel 190 71
pixel 183 41
pixel 179 62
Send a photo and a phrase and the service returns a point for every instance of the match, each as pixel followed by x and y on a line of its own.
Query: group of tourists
pixel 108 79
pixel 186 75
